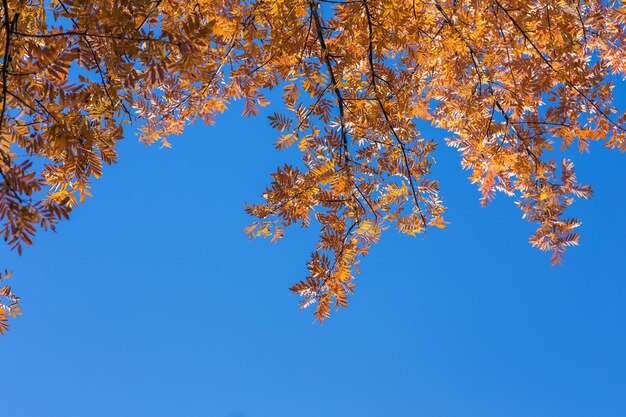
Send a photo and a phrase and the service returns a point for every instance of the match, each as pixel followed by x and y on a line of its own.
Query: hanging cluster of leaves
pixel 509 79
pixel 9 303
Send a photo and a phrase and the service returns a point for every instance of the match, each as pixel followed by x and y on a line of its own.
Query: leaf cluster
pixel 509 80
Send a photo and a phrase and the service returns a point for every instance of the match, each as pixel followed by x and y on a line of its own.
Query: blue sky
pixel 151 302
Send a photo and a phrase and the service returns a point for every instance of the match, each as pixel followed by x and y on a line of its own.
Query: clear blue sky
pixel 151 302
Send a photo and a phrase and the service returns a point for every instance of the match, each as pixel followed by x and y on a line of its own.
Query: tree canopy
pixel 514 82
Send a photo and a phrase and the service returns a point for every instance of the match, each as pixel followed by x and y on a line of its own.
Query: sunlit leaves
pixel 508 79
pixel 9 302
pixel 511 81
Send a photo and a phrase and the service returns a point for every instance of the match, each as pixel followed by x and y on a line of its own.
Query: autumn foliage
pixel 510 80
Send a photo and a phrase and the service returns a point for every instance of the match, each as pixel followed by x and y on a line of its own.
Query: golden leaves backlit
pixel 510 80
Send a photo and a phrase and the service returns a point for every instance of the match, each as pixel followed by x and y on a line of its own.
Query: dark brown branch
pixel 480 72
pixel 549 64
pixel 5 60
pixel 373 78
pixel 145 19
pixel 98 65
pixel 92 35
pixel 9 26
pixel 326 58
